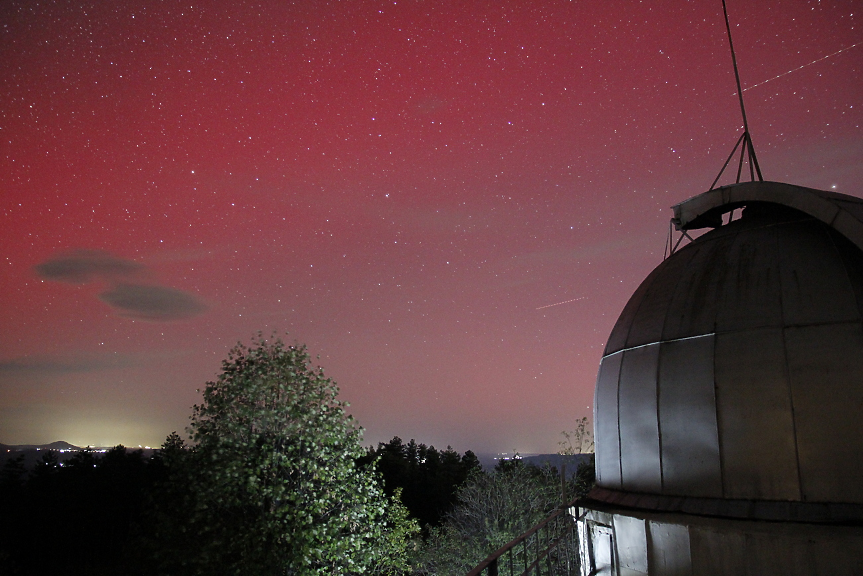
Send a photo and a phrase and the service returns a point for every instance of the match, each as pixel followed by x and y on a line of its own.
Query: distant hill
pixel 58 445
pixel 33 453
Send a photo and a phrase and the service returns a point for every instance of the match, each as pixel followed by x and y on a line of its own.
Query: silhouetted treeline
pixel 121 513
pixel 78 518
pixel 429 478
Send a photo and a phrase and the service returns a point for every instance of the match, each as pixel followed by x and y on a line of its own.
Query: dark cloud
pixel 147 302
pixel 138 301
pixel 82 266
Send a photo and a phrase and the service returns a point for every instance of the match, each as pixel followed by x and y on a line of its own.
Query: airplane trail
pixel 564 302
pixel 804 66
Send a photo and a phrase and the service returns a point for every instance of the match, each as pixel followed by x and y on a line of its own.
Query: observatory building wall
pixel 635 543
pixel 728 410
pixel 735 369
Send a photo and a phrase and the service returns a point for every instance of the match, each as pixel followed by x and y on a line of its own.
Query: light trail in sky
pixel 564 302
pixel 804 66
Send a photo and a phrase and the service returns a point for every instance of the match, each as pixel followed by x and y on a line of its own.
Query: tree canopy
pixel 276 483
pixel 428 478
pixel 491 509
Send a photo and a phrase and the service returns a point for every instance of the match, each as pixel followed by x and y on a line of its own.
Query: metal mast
pixel 745 140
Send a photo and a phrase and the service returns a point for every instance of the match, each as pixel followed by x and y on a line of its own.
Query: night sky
pixel 448 202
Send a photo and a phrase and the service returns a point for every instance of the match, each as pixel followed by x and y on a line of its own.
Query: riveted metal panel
pixel 826 367
pixel 687 419
pixel 639 426
pixel 605 418
pixel 815 286
pixel 755 418
pixel 631 539
pixel 692 309
pixel 668 553
pixel 749 297
pixel 649 320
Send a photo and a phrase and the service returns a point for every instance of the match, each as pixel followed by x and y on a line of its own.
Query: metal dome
pixel 735 371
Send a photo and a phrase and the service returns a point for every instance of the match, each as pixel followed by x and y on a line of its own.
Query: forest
pixel 95 515
pixel 273 480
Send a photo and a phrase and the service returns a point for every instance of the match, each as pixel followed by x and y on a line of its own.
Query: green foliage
pixel 401 538
pixel 428 478
pixel 491 509
pixel 584 480
pixel 274 480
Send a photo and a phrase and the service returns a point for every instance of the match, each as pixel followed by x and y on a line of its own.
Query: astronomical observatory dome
pixel 732 383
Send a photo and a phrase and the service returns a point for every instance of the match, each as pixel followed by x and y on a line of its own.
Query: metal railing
pixel 548 549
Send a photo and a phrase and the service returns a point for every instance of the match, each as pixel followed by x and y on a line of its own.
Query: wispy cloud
pixel 84 362
pixel 82 266
pixel 154 303
pixel 130 298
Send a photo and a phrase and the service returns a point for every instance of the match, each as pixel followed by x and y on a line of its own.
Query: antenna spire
pixel 746 139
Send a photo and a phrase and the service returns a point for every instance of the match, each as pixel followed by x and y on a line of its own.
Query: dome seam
pixel 787 374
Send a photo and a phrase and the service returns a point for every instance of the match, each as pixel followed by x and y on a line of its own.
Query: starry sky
pixel 448 202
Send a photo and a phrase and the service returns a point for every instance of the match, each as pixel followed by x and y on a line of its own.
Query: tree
pixel 167 534
pixel 401 539
pixel 276 486
pixel 491 509
pixel 427 477
pixel 91 498
pixel 577 441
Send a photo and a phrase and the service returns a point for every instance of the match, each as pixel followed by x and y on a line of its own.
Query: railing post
pixel 492 568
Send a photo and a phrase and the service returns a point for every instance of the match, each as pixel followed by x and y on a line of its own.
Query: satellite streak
pixel 564 302
pixel 804 66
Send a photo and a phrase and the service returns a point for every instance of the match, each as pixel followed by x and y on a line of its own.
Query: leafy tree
pixel 492 508
pixel 276 485
pixel 427 477
pixel 400 539
pixel 585 479
pixel 166 534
